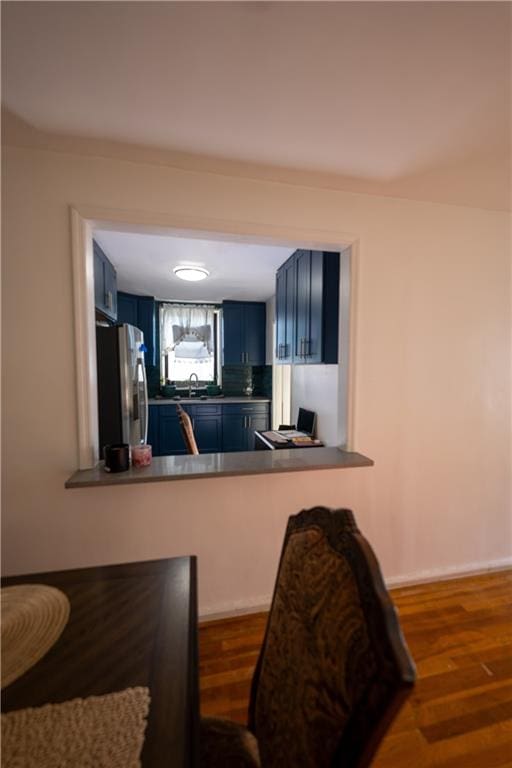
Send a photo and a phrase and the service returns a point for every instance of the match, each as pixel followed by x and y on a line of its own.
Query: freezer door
pixel 133 385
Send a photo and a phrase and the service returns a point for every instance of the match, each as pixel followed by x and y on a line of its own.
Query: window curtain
pixel 187 338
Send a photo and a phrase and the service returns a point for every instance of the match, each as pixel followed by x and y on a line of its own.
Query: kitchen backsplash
pixel 236 378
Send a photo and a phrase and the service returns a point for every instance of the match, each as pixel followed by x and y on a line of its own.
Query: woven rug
pixel 33 617
pixel 97 732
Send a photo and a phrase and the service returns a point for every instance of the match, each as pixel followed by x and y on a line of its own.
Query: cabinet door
pixel 170 439
pixel 110 290
pixel 234 433
pixel 314 341
pixel 285 311
pixel 99 280
pixel 303 306
pixel 127 305
pixel 279 352
pixel 208 433
pixel 254 333
pixel 233 333
pixel 146 322
pixel 105 284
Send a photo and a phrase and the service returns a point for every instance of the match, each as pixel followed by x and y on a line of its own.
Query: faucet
pixel 190 383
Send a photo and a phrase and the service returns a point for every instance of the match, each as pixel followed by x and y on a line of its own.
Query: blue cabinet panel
pixel 255 315
pixel 285 308
pixel 208 433
pixel 146 321
pixel 140 311
pixel 307 308
pixel 233 333
pixel 170 438
pixel 105 284
pixel 127 309
pixel 239 421
pixel 303 305
pixel 244 332
pixel 217 428
pixel 233 432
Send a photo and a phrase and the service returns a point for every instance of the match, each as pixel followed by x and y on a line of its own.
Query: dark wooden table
pixel 130 625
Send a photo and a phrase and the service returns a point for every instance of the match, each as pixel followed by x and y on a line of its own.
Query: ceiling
pixel 145 263
pixel 411 95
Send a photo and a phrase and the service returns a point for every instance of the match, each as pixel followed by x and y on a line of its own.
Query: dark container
pixel 117 457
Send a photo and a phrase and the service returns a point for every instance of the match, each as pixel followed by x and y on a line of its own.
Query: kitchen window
pixel 189 343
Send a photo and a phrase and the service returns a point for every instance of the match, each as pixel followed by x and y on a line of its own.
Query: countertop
pixel 165 468
pixel 209 400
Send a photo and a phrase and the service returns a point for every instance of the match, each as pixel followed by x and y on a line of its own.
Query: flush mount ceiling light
pixel 193 274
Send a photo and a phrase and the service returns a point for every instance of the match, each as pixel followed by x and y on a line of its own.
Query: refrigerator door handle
pixel 144 405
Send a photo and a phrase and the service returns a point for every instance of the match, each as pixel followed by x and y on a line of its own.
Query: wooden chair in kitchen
pixel 333 670
pixel 187 430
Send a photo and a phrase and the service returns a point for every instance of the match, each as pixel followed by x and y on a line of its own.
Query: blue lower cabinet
pixel 217 428
pixel 239 422
pixel 234 436
pixel 165 435
pixel 170 438
pixel 207 425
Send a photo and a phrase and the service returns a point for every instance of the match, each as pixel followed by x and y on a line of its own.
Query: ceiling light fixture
pixel 193 274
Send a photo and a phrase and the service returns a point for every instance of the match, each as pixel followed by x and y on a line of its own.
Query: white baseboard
pixel 452 572
pixel 234 608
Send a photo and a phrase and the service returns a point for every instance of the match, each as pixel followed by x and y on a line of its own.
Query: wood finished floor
pixel 459 633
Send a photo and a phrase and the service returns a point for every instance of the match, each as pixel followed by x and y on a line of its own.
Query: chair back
pixel 334 668
pixel 187 431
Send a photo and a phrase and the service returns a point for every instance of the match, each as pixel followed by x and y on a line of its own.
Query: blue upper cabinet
pixel 127 309
pixel 285 311
pixel 307 308
pixel 105 284
pixel 244 331
pixel 139 311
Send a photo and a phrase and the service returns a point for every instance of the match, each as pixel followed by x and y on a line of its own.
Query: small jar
pixel 141 455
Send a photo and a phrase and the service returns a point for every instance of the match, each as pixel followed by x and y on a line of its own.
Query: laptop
pixel 306 422
pixel 305 426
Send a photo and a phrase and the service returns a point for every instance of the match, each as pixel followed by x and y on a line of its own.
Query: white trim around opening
pixel 83 221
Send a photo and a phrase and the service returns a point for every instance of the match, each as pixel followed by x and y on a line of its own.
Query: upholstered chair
pixel 333 670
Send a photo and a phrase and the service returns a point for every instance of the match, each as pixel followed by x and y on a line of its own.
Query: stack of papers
pixel 291 436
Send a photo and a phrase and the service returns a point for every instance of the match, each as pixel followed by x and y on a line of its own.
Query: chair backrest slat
pixel 187 431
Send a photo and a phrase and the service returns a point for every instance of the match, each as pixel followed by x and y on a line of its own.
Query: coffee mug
pixel 117 457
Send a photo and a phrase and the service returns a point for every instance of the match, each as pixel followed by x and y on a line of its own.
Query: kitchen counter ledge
pixel 213 399
pixel 208 465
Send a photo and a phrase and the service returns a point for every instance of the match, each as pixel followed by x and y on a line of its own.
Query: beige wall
pixel 432 392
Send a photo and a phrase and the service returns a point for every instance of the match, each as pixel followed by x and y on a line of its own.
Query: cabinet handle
pixel 307 347
pixel 193 423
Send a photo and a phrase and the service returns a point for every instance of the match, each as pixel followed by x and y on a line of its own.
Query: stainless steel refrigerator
pixel 122 388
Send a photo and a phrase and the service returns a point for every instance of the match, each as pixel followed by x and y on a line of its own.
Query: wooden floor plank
pixel 460 634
